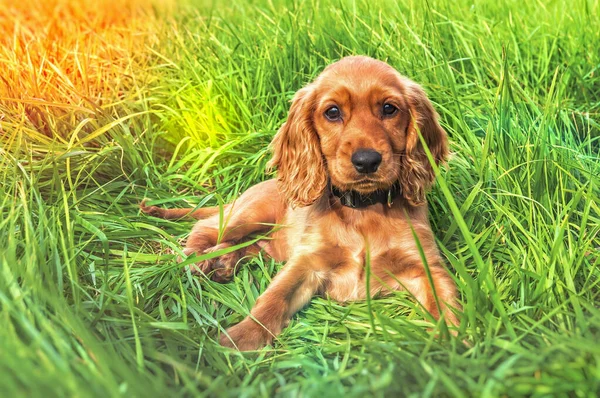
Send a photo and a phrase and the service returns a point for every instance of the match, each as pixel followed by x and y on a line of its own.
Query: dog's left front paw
pixel 246 336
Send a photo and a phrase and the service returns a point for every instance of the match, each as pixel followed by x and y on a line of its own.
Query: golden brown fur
pixel 324 243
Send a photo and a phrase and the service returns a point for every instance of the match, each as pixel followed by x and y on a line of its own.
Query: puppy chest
pixel 345 276
pixel 347 264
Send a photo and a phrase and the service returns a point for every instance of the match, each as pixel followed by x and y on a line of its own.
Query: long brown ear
pixel 416 173
pixel 297 153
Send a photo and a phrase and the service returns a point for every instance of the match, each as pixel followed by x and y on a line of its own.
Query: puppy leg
pixel 221 269
pixel 175 214
pixel 255 211
pixel 416 281
pixel 207 238
pixel 290 290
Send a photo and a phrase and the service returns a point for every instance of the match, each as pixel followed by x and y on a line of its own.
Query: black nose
pixel 366 160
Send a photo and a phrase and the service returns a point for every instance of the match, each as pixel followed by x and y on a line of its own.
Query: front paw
pixel 247 335
pixel 220 269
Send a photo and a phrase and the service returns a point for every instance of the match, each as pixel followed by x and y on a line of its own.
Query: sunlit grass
pixel 104 103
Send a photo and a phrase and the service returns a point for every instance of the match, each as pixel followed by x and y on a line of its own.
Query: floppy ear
pixel 297 153
pixel 416 173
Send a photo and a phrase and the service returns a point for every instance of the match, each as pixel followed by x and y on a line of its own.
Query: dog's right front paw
pixel 219 269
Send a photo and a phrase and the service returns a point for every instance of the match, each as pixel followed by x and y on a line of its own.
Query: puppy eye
pixel 389 109
pixel 333 114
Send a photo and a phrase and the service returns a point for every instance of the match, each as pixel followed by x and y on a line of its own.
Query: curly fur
pixel 416 173
pixel 297 153
pixel 324 243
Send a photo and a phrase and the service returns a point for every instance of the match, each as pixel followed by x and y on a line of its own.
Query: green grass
pixel 178 104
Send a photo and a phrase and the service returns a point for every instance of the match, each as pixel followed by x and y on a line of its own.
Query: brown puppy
pixel 352 176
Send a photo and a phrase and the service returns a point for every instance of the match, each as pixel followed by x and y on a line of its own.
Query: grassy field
pixel 103 103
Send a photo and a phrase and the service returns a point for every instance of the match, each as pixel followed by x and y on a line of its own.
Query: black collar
pixel 356 200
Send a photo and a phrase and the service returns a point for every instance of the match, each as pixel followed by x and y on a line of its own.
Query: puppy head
pixel 358 125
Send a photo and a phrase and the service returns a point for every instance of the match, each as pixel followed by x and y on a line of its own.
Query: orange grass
pixel 66 64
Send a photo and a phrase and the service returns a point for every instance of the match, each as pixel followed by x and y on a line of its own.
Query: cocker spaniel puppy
pixel 351 180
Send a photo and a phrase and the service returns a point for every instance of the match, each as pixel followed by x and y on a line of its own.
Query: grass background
pixel 103 103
